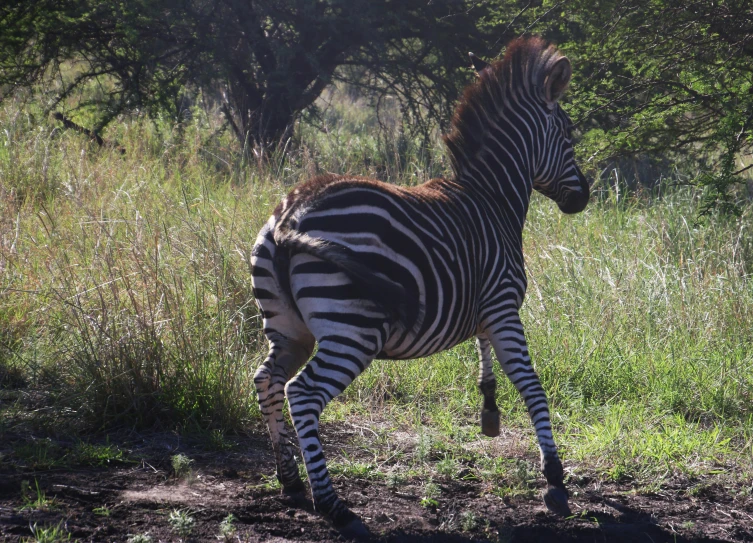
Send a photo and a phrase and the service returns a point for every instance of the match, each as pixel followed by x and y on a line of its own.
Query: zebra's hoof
pixel 294 488
pixel 555 499
pixel 490 422
pixel 297 494
pixel 354 529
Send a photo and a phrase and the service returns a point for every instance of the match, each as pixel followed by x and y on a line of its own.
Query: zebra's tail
pixel 385 293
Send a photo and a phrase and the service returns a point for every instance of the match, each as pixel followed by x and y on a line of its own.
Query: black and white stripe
pixel 369 270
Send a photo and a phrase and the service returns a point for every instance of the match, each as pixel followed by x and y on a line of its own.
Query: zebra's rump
pixel 397 246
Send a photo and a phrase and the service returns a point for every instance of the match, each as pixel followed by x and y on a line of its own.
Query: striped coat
pixel 369 270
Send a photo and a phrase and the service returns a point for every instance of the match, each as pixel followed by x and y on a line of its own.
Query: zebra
pixel 369 270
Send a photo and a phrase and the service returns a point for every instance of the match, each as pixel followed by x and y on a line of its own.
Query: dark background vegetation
pixel 657 82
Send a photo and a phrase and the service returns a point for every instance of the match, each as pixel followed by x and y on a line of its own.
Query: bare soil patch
pixel 114 502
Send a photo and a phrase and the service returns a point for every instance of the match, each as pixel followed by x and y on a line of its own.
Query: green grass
pixel 48 534
pixel 34 498
pixel 125 297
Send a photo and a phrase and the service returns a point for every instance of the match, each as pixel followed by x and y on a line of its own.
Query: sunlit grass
pixel 124 288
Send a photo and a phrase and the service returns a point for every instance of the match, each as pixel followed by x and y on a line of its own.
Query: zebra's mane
pixel 522 70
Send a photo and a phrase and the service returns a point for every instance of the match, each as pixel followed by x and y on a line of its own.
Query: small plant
pixel 49 534
pixel 395 479
pixel 431 493
pixel 423 448
pixel 181 465
pixel 468 521
pixel 34 499
pixel 227 528
pixel 269 483
pixel 139 538
pixel 353 469
pixel 181 522
pixel 41 454
pixel 522 475
pixel 619 473
pixel 98 455
pixel 101 511
pixel 447 467
pixel 218 441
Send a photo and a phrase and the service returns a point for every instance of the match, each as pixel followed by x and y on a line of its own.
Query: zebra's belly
pixel 401 347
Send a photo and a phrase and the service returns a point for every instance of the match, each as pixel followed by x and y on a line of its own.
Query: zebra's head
pixel 556 174
pixel 512 113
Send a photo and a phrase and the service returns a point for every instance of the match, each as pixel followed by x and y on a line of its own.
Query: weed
pixel 181 522
pixel 218 441
pixel 354 469
pixel 619 473
pixel 34 499
pixel 98 455
pixel 447 467
pixel 432 492
pixel 227 528
pixel 395 479
pixel 39 454
pixel 101 511
pixel 139 538
pixel 468 521
pixel 181 465
pixel 423 448
pixel 49 534
pixel 269 483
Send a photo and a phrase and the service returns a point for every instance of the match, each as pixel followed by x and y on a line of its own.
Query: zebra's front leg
pixel 509 342
pixel 487 384
pixel 333 368
pixel 269 379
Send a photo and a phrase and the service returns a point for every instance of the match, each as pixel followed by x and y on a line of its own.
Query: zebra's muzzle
pixel 575 202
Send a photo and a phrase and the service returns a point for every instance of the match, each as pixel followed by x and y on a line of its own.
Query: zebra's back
pixel 421 240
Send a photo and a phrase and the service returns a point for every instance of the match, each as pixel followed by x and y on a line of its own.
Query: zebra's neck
pixel 501 172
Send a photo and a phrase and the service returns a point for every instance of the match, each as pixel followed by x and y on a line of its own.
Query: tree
pixel 671 78
pixel 265 61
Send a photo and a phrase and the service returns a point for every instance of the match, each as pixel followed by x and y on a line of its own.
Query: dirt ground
pixel 136 497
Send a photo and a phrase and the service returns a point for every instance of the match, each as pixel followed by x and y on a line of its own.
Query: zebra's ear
pixel 557 79
pixel 478 64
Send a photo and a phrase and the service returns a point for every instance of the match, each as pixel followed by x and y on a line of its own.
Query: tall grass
pixel 124 281
pixel 124 288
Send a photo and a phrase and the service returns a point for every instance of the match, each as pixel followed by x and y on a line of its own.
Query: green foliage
pixel 102 511
pixel 181 522
pixel 667 78
pixel 181 465
pixel 227 528
pixel 98 455
pixel 264 62
pixel 431 494
pixel 34 498
pixel 48 534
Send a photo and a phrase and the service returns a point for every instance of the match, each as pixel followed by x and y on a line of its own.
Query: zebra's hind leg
pixel 509 342
pixel 337 363
pixel 487 383
pixel 282 362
